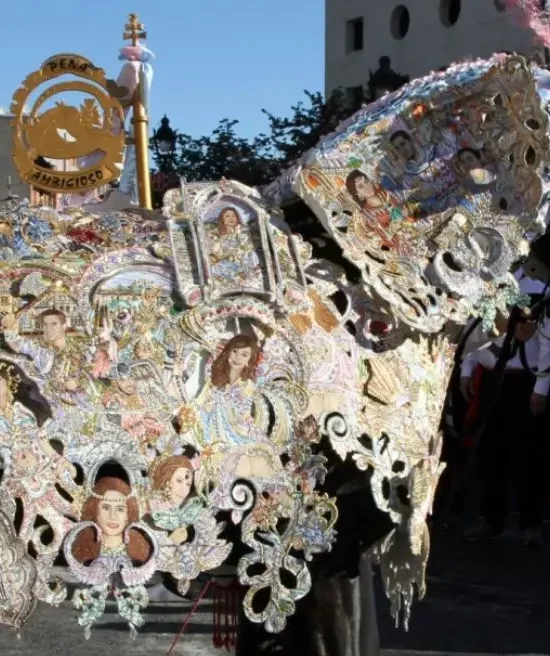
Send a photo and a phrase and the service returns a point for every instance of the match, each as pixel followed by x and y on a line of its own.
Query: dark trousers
pixel 513 454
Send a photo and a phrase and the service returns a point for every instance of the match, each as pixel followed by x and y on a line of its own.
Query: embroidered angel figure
pixel 171 506
pixel 228 406
pixel 34 474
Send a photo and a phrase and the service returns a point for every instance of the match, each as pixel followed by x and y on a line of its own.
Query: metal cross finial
pixel 134 30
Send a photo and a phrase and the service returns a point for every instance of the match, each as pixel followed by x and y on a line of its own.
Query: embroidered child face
pixel 309 429
pixel 403 146
pixel 142 350
pixel 53 329
pixel 239 358
pixel 469 160
pixel 363 188
pixel 126 386
pixel 5 228
pixel 112 513
pixel 229 219
pixel 180 485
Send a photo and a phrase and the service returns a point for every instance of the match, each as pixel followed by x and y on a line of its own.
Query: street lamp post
pixel 164 143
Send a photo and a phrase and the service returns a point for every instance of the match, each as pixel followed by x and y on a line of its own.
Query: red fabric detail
pixel 226 613
pixel 84 236
pixel 378 328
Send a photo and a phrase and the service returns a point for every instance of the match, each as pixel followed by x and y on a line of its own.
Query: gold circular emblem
pixel 93 131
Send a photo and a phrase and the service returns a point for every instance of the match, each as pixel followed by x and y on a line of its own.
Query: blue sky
pixel 214 58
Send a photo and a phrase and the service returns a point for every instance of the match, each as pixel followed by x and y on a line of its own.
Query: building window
pixel 400 22
pixel 449 11
pixel 41 197
pixel 354 35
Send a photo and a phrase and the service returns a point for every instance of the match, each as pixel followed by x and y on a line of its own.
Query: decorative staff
pixel 134 31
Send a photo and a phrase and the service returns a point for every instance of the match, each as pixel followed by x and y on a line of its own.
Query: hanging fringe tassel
pixel 226 600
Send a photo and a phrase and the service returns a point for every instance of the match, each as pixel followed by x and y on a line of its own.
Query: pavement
pixel 488 599
pixel 482 599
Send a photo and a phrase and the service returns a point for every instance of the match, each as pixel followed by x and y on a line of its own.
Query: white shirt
pixel 537 357
pixel 528 285
pixel 543 339
pixel 532 286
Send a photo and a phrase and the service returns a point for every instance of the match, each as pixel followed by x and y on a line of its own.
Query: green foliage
pixel 259 160
pixel 290 137
pixel 222 154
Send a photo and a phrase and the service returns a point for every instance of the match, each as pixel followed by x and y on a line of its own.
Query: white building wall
pixel 480 30
pixel 7 167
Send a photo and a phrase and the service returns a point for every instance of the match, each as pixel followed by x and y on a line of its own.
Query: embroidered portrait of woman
pixel 229 408
pixel 368 196
pixel 418 167
pixel 171 506
pixel 113 508
pixel 229 421
pixel 233 257
pixel 381 213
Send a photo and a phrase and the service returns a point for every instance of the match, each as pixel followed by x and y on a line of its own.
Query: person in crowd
pixel 513 447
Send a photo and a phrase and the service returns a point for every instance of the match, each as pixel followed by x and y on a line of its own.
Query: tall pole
pixel 134 31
